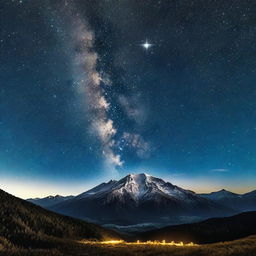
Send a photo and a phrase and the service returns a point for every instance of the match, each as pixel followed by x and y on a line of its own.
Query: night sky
pixel 93 90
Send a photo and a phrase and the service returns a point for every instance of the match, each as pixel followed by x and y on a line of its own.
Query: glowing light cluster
pixel 112 242
pixel 172 243
pixel 138 242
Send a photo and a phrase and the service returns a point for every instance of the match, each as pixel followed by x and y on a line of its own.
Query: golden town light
pixel 138 242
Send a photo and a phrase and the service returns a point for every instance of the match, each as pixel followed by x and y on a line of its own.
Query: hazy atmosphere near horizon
pixel 94 90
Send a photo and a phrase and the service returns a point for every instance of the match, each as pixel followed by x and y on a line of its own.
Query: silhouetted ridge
pixel 27 225
pixel 208 231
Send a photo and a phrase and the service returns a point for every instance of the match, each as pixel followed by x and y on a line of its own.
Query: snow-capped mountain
pixel 136 186
pixel 139 188
pixel 138 198
pixel 49 200
pixel 239 202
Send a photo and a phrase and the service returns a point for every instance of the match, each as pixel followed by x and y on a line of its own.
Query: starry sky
pixel 82 100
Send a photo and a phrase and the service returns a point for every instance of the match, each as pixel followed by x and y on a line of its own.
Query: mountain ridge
pixel 49 200
pixel 141 196
pixel 239 202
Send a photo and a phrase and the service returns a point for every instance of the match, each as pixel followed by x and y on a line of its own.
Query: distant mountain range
pixel 136 199
pixel 238 202
pixel 23 224
pixel 49 201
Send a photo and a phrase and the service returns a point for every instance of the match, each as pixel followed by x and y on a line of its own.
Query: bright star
pixel 147 45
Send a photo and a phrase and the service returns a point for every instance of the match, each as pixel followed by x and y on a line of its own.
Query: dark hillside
pixel 27 225
pixel 208 231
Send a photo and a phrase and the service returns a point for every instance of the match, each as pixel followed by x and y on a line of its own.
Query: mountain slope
pixel 239 202
pixel 249 201
pixel 138 198
pixel 103 187
pixel 27 225
pixel 209 231
pixel 49 200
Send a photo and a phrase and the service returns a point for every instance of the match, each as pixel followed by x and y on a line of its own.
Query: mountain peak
pixel 56 196
pixel 223 191
pixel 136 185
pixel 138 175
pixel 140 186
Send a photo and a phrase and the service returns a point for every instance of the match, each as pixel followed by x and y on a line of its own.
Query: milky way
pixel 82 100
pixel 92 84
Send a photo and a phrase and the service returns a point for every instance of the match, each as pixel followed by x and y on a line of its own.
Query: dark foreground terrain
pixel 209 231
pixel 27 229
pixel 242 247
pixel 23 224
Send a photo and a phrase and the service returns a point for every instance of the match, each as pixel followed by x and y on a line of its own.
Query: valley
pixel 241 247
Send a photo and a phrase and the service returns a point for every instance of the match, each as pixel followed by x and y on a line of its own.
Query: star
pixel 147 45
